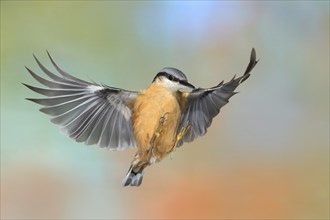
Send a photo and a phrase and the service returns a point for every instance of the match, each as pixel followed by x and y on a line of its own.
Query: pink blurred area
pixel 265 156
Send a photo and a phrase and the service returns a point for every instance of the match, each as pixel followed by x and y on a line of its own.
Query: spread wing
pixel 204 104
pixel 87 112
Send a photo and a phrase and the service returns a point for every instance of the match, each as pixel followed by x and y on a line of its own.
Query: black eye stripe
pixel 172 78
pixel 168 76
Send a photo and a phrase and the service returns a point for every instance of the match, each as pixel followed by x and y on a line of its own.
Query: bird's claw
pixel 159 130
pixel 162 120
pixel 180 135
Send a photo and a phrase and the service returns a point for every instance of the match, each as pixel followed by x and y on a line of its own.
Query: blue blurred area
pixel 265 156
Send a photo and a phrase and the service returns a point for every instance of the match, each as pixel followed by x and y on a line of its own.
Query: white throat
pixel 172 85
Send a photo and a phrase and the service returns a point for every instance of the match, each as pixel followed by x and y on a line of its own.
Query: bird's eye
pixel 170 77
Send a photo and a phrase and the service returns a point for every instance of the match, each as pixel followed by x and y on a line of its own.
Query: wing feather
pixel 88 130
pixel 204 104
pixel 67 107
pixel 51 84
pixel 98 127
pixel 86 111
pixel 82 120
pixel 65 74
pixel 51 101
pixel 64 116
pixel 54 76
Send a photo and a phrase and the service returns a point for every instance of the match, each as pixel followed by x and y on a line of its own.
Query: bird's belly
pixel 149 111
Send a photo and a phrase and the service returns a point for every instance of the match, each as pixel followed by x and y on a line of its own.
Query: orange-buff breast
pixel 154 103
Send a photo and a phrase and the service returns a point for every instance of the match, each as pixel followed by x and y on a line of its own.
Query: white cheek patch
pixel 174 86
pixel 168 83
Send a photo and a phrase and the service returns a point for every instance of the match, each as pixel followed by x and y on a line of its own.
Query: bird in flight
pixel 156 120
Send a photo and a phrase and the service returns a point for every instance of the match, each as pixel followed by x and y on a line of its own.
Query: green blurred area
pixel 265 156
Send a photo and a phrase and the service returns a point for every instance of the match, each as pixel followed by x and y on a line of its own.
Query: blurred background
pixel 265 156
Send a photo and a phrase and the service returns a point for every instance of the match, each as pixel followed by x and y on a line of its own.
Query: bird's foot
pixel 138 164
pixel 163 119
pixel 180 135
pixel 159 129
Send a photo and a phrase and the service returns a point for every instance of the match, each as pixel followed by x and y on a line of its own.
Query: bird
pixel 156 120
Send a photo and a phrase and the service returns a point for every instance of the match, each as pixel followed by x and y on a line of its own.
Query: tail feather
pixel 133 178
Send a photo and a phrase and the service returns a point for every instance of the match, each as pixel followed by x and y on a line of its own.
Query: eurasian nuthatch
pixel 156 120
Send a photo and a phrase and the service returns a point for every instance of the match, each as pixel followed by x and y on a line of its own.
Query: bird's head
pixel 173 79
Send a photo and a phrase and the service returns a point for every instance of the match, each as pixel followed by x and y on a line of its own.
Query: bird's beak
pixel 187 87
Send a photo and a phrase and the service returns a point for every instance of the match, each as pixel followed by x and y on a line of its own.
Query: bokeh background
pixel 265 156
